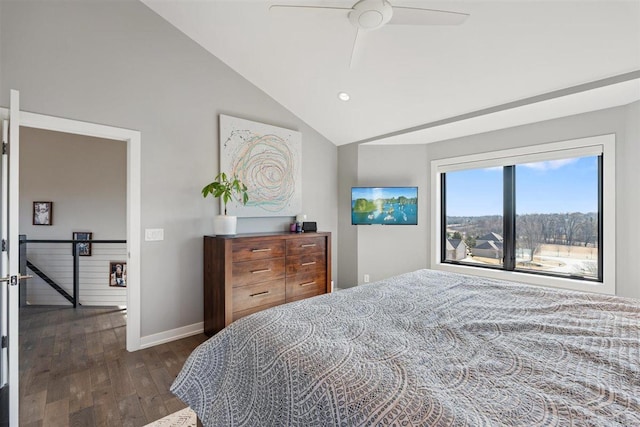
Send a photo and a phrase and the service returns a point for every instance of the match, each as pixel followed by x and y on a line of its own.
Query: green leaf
pixel 225 188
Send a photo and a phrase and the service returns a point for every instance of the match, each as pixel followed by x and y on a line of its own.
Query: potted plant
pixel 226 188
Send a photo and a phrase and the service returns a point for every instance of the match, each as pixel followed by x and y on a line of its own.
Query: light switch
pixel 153 234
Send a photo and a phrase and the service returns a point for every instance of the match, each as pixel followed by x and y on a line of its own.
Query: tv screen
pixel 384 205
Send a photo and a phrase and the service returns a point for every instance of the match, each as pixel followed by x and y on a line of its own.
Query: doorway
pixel 81 183
pixel 133 161
pixel 132 139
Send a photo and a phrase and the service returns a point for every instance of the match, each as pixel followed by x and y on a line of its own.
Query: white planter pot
pixel 225 225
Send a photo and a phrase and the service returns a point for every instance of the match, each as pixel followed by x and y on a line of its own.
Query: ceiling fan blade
pixel 356 50
pixel 415 16
pixel 301 11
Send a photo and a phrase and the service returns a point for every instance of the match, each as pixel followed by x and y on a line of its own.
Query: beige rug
pixel 183 418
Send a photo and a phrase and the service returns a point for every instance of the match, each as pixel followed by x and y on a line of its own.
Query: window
pixel 533 214
pixel 474 216
pixel 558 217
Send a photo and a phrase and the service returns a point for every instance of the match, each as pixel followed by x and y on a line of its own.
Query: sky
pixel 372 193
pixel 557 186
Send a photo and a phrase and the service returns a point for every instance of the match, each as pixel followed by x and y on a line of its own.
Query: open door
pixel 10 277
pixel 4 285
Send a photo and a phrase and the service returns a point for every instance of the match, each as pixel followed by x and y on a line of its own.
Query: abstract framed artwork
pixel 42 213
pixel 268 160
pixel 84 249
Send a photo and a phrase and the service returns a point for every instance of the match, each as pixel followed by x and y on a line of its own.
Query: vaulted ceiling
pixel 510 62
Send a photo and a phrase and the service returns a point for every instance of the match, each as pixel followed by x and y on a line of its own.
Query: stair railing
pixel 24 264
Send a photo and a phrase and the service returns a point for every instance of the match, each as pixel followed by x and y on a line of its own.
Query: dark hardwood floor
pixel 75 370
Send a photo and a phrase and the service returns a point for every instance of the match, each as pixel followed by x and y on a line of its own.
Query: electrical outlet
pixel 366 278
pixel 153 234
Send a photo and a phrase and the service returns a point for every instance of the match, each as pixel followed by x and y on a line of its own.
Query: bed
pixel 426 348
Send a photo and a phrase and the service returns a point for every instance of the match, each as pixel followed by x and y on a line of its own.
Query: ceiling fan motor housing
pixel 370 14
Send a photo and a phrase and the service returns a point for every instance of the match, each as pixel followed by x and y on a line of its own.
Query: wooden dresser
pixel 246 273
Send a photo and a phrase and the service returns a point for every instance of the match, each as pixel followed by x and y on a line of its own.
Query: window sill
pixel 530 279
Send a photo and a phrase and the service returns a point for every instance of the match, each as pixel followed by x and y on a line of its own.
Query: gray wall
pixel 120 64
pixel 386 250
pixel 86 178
pixel 613 120
pixel 414 164
pixel 628 206
pixel 348 243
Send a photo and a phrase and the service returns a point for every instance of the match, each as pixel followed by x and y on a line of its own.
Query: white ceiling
pixel 411 82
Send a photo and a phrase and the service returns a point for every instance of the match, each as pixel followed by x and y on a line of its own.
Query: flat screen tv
pixel 384 205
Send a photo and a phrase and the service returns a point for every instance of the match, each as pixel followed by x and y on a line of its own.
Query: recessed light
pixel 343 96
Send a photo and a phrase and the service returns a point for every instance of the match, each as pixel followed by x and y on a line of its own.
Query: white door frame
pixel 134 159
pixel 11 209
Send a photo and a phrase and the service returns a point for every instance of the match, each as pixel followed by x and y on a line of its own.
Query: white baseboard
pixel 171 335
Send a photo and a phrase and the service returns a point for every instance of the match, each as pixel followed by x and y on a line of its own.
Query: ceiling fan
pixel 369 15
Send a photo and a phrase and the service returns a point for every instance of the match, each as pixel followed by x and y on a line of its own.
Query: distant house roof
pixel 454 243
pixel 491 236
pixel 496 246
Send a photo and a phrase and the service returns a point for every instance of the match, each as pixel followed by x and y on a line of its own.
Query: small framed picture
pixel 118 274
pixel 42 213
pixel 84 249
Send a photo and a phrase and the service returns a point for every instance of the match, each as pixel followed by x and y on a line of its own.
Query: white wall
pixel 56 262
pixel 85 178
pixel 120 64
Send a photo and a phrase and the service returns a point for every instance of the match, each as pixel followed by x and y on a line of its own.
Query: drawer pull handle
pixel 266 270
pixel 310 245
pixel 308 263
pixel 259 294
pixel 261 250
pixel 307 284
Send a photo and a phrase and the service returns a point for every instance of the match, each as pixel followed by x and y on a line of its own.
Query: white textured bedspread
pixel 426 348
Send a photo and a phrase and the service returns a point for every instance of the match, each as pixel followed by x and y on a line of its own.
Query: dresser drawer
pixel 262 270
pixel 240 314
pixel 306 263
pixel 267 293
pixel 306 285
pixel 257 249
pixel 306 245
pixel 247 273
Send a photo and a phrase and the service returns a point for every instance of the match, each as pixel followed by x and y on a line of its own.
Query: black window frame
pixel 509 228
